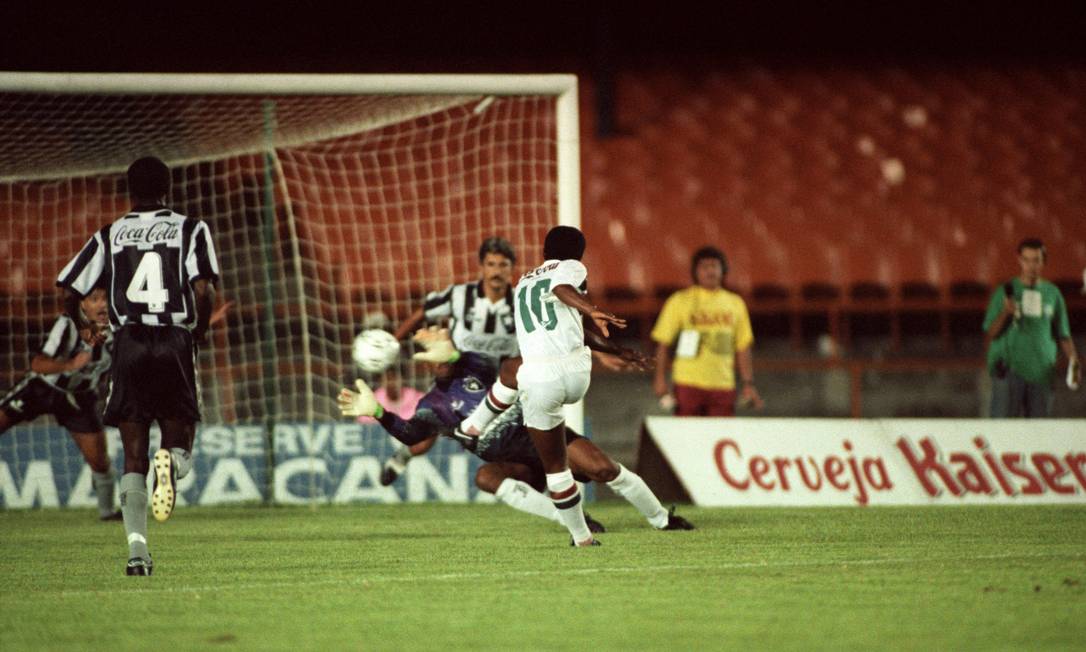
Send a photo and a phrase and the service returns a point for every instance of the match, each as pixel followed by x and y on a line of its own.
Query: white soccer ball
pixel 375 350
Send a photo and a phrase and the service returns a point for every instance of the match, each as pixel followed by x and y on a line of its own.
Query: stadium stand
pixel 851 192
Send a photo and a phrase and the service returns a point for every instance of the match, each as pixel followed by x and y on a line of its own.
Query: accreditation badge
pixel 1031 303
pixel 687 345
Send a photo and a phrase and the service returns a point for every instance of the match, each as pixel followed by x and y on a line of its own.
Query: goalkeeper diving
pixel 512 471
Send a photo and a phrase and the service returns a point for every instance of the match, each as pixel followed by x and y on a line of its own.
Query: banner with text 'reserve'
pixel 731 462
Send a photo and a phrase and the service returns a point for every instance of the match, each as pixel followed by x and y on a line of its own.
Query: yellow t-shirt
pixel 720 317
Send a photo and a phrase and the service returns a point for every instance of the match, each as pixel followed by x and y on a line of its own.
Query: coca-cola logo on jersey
pixel 146 234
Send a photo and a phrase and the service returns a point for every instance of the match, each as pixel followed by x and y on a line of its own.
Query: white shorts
pixel 548 384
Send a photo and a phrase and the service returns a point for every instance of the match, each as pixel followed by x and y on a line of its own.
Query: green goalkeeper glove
pixel 437 346
pixel 359 404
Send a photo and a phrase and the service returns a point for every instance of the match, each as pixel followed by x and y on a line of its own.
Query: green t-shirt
pixel 1028 343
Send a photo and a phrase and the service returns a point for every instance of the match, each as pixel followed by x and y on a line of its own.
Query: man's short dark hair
pixel 564 243
pixel 148 178
pixel 1033 243
pixel 496 245
pixel 706 253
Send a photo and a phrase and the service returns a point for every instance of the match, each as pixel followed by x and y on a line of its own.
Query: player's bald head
pixel 564 243
pixel 148 179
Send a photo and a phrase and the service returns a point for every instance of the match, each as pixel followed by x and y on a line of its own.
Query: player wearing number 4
pixel 159 267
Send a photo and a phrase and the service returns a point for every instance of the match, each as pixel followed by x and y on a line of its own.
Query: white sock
pixel 570 509
pixel 630 486
pixel 497 400
pixel 520 496
pixel 182 461
pixel 103 489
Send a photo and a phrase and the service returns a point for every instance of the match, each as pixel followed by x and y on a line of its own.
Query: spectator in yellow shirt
pixel 709 329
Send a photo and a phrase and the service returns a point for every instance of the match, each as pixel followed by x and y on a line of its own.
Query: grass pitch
pixel 484 576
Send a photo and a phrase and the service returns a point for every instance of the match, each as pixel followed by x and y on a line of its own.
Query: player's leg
pixel 127 409
pixel 172 461
pixel 21 403
pixel 93 447
pixel 511 483
pixel 87 432
pixel 545 390
pixel 563 489
pixel 135 439
pixel 174 403
pixel 586 459
pixel 395 466
pixel 502 394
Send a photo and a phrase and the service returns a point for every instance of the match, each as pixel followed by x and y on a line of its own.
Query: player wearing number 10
pixel 159 267
pixel 557 365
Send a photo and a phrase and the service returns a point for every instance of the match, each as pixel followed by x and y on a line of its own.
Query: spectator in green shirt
pixel 1026 318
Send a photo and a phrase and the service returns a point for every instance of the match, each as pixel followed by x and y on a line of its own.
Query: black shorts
pixel 33 397
pixel 153 376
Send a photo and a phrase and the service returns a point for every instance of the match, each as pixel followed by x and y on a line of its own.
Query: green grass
pixel 473 576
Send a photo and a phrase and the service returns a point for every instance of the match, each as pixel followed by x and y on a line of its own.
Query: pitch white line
pixel 365 581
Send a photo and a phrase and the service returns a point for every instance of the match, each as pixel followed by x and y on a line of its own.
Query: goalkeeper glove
pixel 359 404
pixel 437 346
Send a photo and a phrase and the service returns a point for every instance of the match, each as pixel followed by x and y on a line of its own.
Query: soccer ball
pixel 375 350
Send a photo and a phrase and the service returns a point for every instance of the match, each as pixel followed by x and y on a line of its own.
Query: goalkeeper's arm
pixel 362 403
pixel 410 431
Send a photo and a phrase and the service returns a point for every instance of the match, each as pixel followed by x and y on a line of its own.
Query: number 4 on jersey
pixel 146 286
pixel 537 307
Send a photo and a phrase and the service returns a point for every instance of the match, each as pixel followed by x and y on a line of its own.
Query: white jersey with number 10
pixel 546 327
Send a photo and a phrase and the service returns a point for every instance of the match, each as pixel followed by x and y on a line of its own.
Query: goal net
pixel 335 203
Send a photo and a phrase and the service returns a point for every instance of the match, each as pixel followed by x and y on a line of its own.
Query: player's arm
pixel 205 305
pixel 630 357
pixel 664 332
pixel 43 364
pixel 436 307
pixel 569 295
pixel 1067 344
pixel 663 366
pixel 1000 313
pixel 749 394
pixel 414 321
pixel 362 403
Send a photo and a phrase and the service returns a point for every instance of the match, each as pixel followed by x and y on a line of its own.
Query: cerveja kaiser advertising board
pixel 730 462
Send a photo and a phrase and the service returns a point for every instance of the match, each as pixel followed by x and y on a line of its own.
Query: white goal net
pixel 335 202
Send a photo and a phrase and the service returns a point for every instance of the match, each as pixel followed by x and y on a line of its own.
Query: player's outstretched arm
pixel 568 295
pixel 364 404
pixel 414 321
pixel 629 359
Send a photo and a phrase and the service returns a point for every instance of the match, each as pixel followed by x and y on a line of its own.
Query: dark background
pixel 539 37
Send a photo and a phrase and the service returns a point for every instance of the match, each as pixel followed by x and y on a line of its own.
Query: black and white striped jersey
pixel 148 260
pixel 475 324
pixel 64 343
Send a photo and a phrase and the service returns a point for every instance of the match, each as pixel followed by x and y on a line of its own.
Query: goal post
pixel 334 201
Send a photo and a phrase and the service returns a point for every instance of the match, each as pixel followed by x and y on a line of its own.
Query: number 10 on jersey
pixel 537 307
